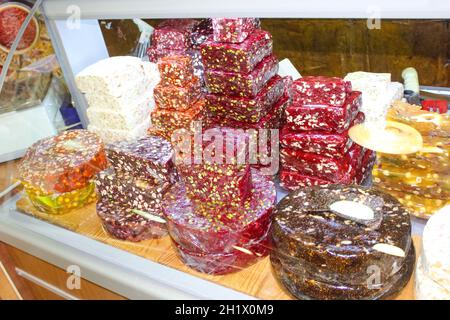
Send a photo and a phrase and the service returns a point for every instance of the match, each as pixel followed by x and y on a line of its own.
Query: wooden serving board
pixel 257 280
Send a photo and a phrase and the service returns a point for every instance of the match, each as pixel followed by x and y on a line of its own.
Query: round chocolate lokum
pixel 336 234
pixel 200 231
pixel 62 163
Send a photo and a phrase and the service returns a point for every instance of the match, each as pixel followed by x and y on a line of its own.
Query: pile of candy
pixel 421 180
pixel 180 37
pixel 57 172
pixel 219 215
pixel 130 192
pixel 119 92
pixel 178 96
pixel 315 147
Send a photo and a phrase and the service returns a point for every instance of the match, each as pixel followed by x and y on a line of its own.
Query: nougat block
pixel 323 117
pixel 207 231
pixel 237 57
pixel 177 98
pixel 221 177
pixel 242 85
pixel 328 168
pixel 176 70
pixel 131 192
pixel 234 30
pixel 321 91
pixel 129 224
pixel 149 158
pixel 320 142
pixel 173 34
pixel 112 135
pixel 243 108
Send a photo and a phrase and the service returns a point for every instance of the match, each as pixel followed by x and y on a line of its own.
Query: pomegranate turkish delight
pixel 173 34
pixel 242 85
pixel 233 57
pixel 201 32
pixel 176 70
pixel 177 98
pixel 234 30
pixel 292 180
pixel 320 90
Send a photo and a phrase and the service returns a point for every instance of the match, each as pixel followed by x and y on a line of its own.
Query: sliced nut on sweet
pixel 353 209
pixel 389 249
pixel 148 216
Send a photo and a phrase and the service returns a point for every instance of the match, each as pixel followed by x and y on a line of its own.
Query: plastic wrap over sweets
pixel 57 171
pixel 233 30
pixel 221 241
pixel 342 242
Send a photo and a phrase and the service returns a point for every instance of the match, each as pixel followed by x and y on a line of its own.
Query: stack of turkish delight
pixel 180 37
pixel 244 90
pixel 421 180
pixel 119 93
pixel 315 146
pixel 130 191
pixel 178 96
pixel 220 214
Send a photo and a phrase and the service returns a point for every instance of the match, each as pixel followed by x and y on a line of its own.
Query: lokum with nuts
pixel 129 224
pixel 62 163
pixel 365 169
pixel 320 90
pixel 233 57
pixel 239 84
pixel 243 108
pixel 324 117
pixel 177 98
pixel 206 231
pixel 234 30
pixel 147 158
pixel 175 70
pixel 201 32
pixel 173 34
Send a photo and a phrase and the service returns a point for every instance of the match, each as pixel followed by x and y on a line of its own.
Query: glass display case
pixel 113 200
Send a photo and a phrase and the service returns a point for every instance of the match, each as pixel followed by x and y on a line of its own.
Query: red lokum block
pixel 292 180
pixel 176 70
pixel 177 98
pixel 242 85
pixel 327 168
pixel 320 91
pixel 147 158
pixel 173 34
pixel 201 32
pixel 221 177
pixel 206 232
pixel 243 108
pixel 154 54
pixel 320 142
pixel 223 263
pixel 234 30
pixel 237 57
pixel 367 163
pixel 127 224
pixel 323 117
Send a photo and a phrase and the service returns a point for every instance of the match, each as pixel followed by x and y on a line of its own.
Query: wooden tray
pixel 257 280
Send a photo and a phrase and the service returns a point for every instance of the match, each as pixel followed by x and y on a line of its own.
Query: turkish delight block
pixel 154 54
pixel 320 91
pixel 243 108
pixel 110 135
pixel 237 57
pixel 416 181
pixel 197 64
pixel 131 192
pixel 320 142
pixel 323 117
pixel 175 70
pixel 168 121
pixel 201 32
pixel 367 163
pixel 61 203
pixel 62 163
pixel 434 156
pixel 221 178
pixel 124 119
pixel 117 81
pixel 321 228
pixel 292 180
pixel 129 224
pixel 234 30
pixel 223 263
pixel 426 122
pixel 242 85
pixel 177 98
pixel 328 168
pixel 147 158
pixel 173 34
pixel 206 231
